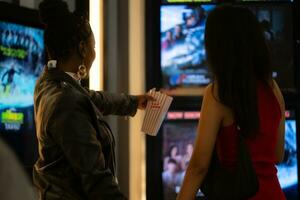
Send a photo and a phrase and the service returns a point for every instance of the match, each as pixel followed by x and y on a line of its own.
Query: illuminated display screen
pixel 183 58
pixel 288 169
pixel 186 1
pixel 277 22
pixel 220 1
pixel 21 62
pixel 265 0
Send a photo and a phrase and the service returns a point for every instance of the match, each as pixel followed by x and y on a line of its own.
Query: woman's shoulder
pixel 71 98
pixel 64 95
pixel 277 92
pixel 211 94
pixel 211 90
pixel 211 98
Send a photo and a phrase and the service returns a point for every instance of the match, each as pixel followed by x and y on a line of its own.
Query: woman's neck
pixel 69 65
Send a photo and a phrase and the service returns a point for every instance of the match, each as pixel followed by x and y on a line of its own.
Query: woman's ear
pixel 82 49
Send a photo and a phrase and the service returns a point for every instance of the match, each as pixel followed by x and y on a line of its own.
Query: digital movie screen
pixel 21 61
pixel 178 143
pixel 220 1
pixel 187 1
pixel 179 133
pixel 265 0
pixel 183 58
pixel 288 169
pixel 276 22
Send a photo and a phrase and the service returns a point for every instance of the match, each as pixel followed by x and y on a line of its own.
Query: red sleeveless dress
pixel 261 148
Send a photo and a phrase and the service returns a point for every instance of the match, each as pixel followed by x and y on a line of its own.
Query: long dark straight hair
pixel 239 58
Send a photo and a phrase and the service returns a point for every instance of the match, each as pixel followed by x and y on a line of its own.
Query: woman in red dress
pixel 243 96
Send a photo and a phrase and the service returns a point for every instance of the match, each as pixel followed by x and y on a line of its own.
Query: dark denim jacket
pixel 76 146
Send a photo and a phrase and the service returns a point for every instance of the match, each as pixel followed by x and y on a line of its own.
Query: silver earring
pixel 81 72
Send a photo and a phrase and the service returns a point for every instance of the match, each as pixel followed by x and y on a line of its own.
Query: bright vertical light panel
pixel 137 150
pixel 96 21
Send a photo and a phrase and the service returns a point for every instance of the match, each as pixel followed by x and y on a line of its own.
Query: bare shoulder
pixel 278 94
pixel 211 91
pixel 211 98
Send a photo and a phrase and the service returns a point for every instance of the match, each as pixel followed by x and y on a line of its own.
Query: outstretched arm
pixel 118 104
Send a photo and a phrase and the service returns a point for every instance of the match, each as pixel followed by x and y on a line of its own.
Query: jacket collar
pixel 57 75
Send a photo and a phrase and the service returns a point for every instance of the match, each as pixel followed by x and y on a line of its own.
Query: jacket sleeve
pixel 116 104
pixel 72 128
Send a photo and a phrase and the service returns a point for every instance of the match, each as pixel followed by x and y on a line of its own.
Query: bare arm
pixel 279 151
pixel 209 123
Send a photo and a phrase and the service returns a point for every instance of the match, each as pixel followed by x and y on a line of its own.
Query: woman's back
pixel 262 147
pixel 240 64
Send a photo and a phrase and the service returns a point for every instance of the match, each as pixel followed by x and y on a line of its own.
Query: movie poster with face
pixel 178 146
pixel 183 58
pixel 21 62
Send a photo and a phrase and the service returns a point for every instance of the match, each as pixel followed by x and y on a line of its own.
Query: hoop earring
pixel 82 73
pixel 52 64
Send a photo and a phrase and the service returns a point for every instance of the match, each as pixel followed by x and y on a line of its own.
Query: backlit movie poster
pixel 21 62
